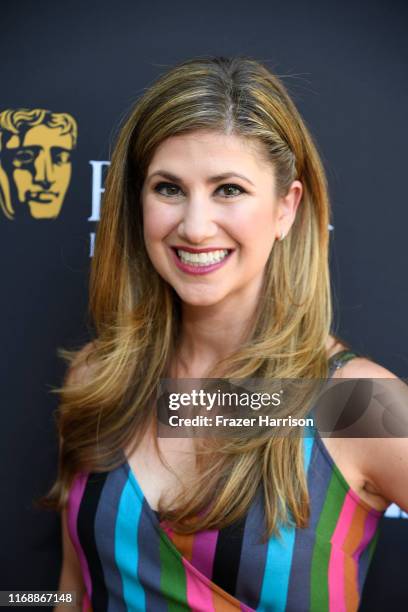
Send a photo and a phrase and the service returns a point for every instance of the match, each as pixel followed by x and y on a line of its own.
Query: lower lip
pixel 190 269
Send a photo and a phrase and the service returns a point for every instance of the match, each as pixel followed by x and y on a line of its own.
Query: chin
pixel 199 299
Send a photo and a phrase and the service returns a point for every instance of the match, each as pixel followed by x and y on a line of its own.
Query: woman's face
pixel 212 215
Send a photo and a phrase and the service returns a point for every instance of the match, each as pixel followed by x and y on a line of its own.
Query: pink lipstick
pixel 199 269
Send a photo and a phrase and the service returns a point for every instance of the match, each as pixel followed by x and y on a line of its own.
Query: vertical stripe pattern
pixel 130 561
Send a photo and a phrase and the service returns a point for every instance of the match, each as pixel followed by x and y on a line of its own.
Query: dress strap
pixel 338 360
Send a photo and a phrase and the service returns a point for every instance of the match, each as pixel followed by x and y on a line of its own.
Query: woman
pixel 211 260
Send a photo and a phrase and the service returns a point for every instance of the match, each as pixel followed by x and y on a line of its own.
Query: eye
pixel 171 189
pixel 232 190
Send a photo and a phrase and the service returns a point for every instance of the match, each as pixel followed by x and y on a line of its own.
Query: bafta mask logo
pixel 35 161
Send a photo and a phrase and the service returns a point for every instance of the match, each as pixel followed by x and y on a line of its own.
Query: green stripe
pixel 173 583
pixel 373 544
pixel 319 587
pixel 342 356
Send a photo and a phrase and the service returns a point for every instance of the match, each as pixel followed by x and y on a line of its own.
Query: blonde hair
pixel 137 315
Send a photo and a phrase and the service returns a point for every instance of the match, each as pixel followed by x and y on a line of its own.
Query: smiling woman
pixel 211 240
pixel 211 260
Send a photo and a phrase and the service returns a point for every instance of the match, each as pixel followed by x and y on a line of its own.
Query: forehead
pixel 43 136
pixel 210 151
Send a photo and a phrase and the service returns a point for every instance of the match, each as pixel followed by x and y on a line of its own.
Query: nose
pixel 44 174
pixel 197 224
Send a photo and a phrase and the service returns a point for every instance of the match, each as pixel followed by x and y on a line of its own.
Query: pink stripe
pixel 74 501
pixel 86 604
pixel 168 530
pixel 200 592
pixel 370 525
pixel 337 602
pixel 203 555
pixel 245 608
pixel 199 572
pixel 199 595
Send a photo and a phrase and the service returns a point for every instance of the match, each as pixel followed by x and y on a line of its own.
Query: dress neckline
pixel 335 362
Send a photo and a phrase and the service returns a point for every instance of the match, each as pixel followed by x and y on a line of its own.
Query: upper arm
pixel 384 460
pixel 71 574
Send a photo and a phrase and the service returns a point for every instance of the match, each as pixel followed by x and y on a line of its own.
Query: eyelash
pixel 163 183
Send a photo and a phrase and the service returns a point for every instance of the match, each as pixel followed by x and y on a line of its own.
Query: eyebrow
pixel 211 179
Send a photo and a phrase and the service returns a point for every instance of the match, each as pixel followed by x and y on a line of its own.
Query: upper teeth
pixel 202 258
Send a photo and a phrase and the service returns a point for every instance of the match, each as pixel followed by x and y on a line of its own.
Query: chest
pixel 163 479
pixel 157 479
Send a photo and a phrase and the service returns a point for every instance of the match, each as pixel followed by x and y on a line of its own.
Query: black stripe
pixel 86 535
pixel 228 555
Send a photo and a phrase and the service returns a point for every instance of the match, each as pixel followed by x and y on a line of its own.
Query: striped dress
pixel 132 562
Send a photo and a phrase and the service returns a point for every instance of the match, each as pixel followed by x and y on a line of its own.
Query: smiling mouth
pixel 201 258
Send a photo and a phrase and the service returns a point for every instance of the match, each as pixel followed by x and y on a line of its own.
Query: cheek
pixel 157 223
pixel 254 229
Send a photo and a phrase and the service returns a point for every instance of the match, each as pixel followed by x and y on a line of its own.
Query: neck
pixel 210 333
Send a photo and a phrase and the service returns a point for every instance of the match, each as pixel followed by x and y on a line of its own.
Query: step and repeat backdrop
pixel 70 73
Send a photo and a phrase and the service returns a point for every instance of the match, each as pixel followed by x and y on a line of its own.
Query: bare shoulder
pixel 358 367
pixel 362 367
pixel 383 461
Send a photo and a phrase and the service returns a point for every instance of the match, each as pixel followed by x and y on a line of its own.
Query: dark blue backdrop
pixel 345 65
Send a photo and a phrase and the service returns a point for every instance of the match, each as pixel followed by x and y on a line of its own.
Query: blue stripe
pixel 307 448
pixel 279 557
pixel 126 549
pixel 277 571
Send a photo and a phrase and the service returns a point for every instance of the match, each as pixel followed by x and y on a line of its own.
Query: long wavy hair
pixel 137 315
